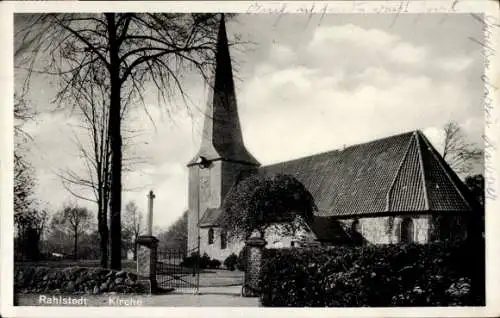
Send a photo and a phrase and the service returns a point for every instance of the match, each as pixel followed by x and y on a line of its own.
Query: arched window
pixel 406 229
pixel 356 232
pixel 210 236
pixel 356 227
pixel 223 240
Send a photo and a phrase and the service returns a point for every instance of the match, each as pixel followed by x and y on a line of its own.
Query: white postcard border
pixel 489 8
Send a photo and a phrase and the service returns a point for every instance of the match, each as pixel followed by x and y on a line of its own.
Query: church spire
pixel 222 137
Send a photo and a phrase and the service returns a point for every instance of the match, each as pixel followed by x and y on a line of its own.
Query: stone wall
pixel 386 230
pixel 273 237
pixel 375 230
pixel 37 279
pixel 214 250
pixel 426 228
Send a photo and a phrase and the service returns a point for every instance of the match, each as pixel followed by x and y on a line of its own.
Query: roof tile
pixel 382 176
pixel 211 217
pixel 401 173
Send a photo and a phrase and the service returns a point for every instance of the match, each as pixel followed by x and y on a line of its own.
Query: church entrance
pixel 177 270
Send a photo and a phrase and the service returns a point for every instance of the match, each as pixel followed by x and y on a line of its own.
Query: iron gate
pixel 178 270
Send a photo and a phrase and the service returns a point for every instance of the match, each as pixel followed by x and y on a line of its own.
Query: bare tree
pixel 24 184
pixel 175 237
pixel 74 221
pixel 133 50
pixel 91 104
pixel 28 218
pixel 133 225
pixel 24 181
pixel 459 154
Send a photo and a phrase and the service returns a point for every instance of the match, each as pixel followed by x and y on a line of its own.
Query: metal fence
pixel 175 270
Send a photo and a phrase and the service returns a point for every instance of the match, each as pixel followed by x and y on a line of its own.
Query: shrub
pixel 214 263
pixel 202 262
pixel 230 262
pixel 436 274
pixel 259 201
pixel 191 261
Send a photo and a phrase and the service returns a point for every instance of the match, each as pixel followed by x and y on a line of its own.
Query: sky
pixel 304 86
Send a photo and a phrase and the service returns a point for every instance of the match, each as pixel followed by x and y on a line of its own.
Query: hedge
pixel 436 274
pixel 241 265
pixel 203 262
pixel 231 261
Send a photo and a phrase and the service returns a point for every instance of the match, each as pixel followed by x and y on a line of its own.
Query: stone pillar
pixel 255 248
pixel 149 230
pixel 146 259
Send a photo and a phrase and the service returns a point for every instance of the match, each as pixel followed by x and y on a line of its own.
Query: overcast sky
pixel 304 87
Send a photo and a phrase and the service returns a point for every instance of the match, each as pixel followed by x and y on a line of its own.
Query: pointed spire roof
pixel 222 137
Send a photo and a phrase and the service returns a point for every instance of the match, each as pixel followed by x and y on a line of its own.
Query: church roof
pixel 328 229
pixel 390 176
pixel 393 175
pixel 210 218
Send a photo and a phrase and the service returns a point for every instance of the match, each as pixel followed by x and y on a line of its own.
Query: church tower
pixel 222 155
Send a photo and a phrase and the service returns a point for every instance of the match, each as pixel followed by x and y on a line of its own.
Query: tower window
pixel 223 240
pixel 211 236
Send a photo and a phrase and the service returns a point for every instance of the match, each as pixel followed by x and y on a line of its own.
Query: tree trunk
pixel 135 250
pixel 75 246
pixel 115 142
pixel 30 241
pixel 103 234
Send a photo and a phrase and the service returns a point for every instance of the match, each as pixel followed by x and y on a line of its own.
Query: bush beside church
pixel 434 274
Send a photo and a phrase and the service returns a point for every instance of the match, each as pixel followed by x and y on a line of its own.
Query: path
pixel 208 297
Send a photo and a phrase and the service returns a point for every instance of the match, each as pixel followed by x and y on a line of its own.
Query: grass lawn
pixel 220 277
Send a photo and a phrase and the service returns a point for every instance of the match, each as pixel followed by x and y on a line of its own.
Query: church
pixel 390 190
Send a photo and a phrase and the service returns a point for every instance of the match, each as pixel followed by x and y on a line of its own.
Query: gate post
pixel 255 248
pixel 146 259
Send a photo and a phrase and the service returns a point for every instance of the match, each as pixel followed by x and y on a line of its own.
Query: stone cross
pixel 151 197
